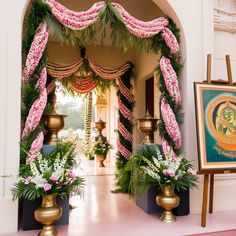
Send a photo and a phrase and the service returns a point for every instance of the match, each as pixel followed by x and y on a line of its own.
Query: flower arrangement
pixel 150 166
pixel 101 147
pixel 176 172
pixel 49 174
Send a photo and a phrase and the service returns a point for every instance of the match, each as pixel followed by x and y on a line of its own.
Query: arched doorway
pixel 12 130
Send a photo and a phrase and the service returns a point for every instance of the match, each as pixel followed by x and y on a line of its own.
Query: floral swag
pixel 158 36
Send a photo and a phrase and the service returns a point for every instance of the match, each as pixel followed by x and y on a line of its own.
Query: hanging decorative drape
pixel 125 122
pixel 85 84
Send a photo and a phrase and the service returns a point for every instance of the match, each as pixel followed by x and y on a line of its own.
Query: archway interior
pixel 163 43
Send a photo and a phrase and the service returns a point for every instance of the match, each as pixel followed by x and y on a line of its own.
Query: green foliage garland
pixel 120 37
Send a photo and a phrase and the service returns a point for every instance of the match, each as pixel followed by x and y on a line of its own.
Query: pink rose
pixel 192 171
pixel 28 180
pixel 71 174
pixel 164 171
pixel 53 178
pixel 171 173
pixel 47 186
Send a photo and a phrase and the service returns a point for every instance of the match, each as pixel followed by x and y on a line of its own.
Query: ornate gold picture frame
pixel 216 126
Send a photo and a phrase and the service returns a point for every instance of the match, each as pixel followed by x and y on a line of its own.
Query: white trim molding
pixel 225 15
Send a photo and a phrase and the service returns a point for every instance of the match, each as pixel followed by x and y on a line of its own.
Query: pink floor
pixel 103 213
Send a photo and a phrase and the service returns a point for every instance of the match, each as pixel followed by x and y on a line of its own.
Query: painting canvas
pixel 216 126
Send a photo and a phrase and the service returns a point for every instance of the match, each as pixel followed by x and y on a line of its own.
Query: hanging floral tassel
pixel 88 118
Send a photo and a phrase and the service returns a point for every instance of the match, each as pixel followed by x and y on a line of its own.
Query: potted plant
pixel 100 149
pixel 170 173
pixel 48 176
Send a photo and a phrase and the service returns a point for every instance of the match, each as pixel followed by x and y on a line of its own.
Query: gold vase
pixel 53 123
pixel 100 158
pixel 100 125
pixel 147 125
pixel 47 214
pixel 167 200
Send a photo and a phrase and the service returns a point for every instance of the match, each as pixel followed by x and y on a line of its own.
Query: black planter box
pixel 147 202
pixel 27 208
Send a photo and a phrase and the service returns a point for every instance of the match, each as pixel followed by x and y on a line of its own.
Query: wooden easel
pixel 211 173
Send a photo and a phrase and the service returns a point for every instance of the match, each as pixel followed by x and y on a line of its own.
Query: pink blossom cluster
pixel 171 173
pixel 124 132
pixel 76 20
pixel 170 40
pixel 124 110
pixel 192 171
pixel 108 73
pixel 170 78
pixel 123 150
pixel 36 146
pixel 125 91
pixel 171 124
pixel 35 114
pixel 41 83
pixel 28 180
pixel 47 186
pixel 71 174
pixel 139 28
pixel 167 150
pixel 36 51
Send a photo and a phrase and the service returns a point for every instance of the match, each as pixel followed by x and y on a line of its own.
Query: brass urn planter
pixel 147 125
pixel 100 159
pixel 167 200
pixel 47 214
pixel 53 123
pixel 100 125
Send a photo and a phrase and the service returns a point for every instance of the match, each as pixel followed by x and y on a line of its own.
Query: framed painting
pixel 216 126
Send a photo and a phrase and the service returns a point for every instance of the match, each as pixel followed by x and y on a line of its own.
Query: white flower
pixel 39 181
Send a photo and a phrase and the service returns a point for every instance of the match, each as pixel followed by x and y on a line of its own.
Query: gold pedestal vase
pixel 53 123
pixel 167 200
pixel 47 214
pixel 100 159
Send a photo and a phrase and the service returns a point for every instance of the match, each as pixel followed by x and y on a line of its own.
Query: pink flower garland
pixel 170 78
pixel 170 40
pixel 125 91
pixel 106 73
pixel 36 146
pixel 36 51
pixel 41 83
pixel 171 124
pixel 140 28
pixel 123 150
pixel 124 132
pixel 124 110
pixel 76 20
pixel 35 114
pixel 167 149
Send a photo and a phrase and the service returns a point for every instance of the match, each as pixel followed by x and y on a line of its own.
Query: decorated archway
pixel 158 36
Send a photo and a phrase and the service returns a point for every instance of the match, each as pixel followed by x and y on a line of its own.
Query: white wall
pixel 196 26
pixel 10 74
